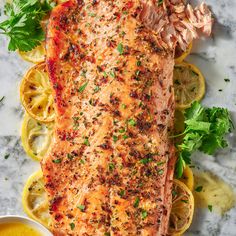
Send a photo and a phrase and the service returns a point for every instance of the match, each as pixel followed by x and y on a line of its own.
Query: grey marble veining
pixel 216 57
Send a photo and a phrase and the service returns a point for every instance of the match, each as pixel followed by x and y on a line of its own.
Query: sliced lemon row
pixel 182 209
pixel 180 55
pixel 34 199
pixel 36 137
pixel 189 85
pixel 36 94
pixel 36 55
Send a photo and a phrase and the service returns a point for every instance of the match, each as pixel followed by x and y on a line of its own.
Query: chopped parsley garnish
pixel 125 136
pixel 81 207
pixel 23 25
pixel 105 74
pixel 115 138
pixel 146 160
pixel 136 202
pixel 111 166
pixel 82 88
pixel 174 193
pixel 112 74
pixel 122 192
pixel 138 63
pixel 57 161
pixel 122 131
pixel 120 48
pixel 122 33
pixel 227 80
pixel 69 156
pixel 198 189
pixel 160 163
pixel 132 122
pixel 205 130
pixel 123 106
pixel 6 156
pixel 185 201
pixel 83 73
pixel 2 98
pixel 210 208
pixel 86 142
pixel 91 14
pixel 72 226
pixel 160 172
pixel 96 89
pixel 144 214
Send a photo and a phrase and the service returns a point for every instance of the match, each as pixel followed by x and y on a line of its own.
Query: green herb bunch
pixel 205 130
pixel 23 25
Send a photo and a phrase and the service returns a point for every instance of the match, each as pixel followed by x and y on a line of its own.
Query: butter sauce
pixel 215 194
pixel 17 229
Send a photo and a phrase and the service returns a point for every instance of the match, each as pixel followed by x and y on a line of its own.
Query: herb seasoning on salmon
pixel 111 66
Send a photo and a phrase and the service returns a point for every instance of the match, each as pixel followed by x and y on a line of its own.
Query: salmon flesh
pixel 110 166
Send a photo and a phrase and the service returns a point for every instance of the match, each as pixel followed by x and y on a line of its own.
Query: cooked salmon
pixel 110 166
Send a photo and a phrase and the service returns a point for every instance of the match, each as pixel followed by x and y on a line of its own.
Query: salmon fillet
pixel 110 166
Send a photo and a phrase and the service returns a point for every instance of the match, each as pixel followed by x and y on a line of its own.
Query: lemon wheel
pixel 36 55
pixel 189 85
pixel 36 94
pixel 34 199
pixel 182 209
pixel 36 137
pixel 180 55
pixel 187 178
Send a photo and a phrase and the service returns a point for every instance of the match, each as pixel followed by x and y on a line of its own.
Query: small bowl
pixel 24 220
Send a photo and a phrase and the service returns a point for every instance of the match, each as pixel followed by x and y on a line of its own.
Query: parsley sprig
pixel 205 130
pixel 23 23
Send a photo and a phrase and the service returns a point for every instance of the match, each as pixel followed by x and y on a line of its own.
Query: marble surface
pixel 217 59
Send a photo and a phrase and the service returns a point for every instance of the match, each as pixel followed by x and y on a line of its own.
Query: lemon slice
pixel 34 199
pixel 180 55
pixel 182 208
pixel 36 55
pixel 36 137
pixel 187 178
pixel 189 85
pixel 36 94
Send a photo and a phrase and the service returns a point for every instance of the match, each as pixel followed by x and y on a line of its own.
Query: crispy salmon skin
pixel 110 166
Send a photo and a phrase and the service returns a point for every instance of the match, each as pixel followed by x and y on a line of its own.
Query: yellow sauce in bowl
pixel 17 229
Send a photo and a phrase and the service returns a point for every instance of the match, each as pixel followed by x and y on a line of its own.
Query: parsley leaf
pixel 136 202
pixel 198 189
pixel 82 87
pixel 205 130
pixel 2 98
pixel 23 24
pixel 144 214
pixel 81 207
pixel 72 226
pixel 210 208
pixel 120 48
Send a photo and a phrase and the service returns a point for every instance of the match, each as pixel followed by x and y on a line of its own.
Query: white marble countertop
pixel 216 57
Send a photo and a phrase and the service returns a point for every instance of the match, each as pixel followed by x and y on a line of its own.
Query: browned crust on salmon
pixel 110 167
